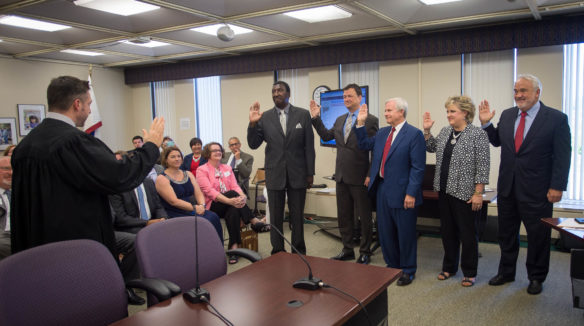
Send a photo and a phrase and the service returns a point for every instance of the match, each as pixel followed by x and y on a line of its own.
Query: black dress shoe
pixel 133 298
pixel 405 279
pixel 344 256
pixel 363 259
pixel 500 280
pixel 534 287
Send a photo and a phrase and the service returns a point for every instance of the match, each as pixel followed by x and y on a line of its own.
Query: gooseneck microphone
pixel 198 294
pixel 306 283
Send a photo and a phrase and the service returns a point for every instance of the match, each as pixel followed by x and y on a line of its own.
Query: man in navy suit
pixel 289 164
pixel 397 170
pixel 535 163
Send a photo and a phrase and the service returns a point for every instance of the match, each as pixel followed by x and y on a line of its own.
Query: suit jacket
pixel 244 169
pixel 186 164
pixel 210 184
pixel 543 160
pixel 287 156
pixel 352 164
pixel 127 211
pixel 404 167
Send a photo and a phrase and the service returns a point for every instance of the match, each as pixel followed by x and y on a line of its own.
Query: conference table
pixel 555 222
pixel 262 294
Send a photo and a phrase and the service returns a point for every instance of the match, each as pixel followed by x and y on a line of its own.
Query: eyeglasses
pixel 234 144
pixel 215 150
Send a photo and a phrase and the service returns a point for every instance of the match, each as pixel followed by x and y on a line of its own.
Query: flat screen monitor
pixel 332 106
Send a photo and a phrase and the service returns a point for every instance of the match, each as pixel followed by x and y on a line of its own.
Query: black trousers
pixel 129 265
pixel 354 199
pixel 233 217
pixel 296 201
pixel 511 213
pixel 458 226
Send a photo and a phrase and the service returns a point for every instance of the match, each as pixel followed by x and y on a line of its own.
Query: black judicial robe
pixel 60 185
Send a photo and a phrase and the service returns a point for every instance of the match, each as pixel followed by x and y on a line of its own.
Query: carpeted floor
pixel 428 301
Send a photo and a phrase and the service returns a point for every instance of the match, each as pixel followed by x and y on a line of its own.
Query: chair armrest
pixel 161 289
pixel 250 255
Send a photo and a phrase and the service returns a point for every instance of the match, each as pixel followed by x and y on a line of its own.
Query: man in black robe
pixel 63 176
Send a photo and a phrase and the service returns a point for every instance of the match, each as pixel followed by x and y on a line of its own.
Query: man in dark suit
pixel 240 162
pixel 289 164
pixel 397 171
pixel 533 173
pixel 137 208
pixel 351 172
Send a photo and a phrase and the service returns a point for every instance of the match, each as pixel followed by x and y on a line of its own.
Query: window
pixel 572 99
pixel 208 109
pixel 163 105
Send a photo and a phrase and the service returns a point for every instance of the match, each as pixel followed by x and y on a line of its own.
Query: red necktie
pixel 519 132
pixel 386 150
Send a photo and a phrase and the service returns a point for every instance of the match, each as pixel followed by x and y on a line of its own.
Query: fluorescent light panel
pixel 319 14
pixel 79 52
pixel 212 29
pixel 436 2
pixel 32 24
pixel 151 44
pixel 118 7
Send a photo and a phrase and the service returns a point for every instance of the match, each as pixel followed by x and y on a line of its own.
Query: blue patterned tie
pixel 143 213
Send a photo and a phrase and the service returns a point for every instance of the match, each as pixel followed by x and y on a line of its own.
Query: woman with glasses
pixel 224 197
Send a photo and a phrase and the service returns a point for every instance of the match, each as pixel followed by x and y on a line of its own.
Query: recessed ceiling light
pixel 89 53
pixel 212 29
pixel 118 7
pixel 32 24
pixel 319 14
pixel 436 2
pixel 151 44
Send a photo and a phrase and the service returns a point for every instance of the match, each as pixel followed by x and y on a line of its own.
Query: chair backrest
pixel 75 282
pixel 166 250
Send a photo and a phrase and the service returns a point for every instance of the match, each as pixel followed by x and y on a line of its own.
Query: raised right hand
pixel 428 122
pixel 362 116
pixel 254 112
pixel 156 133
pixel 485 113
pixel 314 109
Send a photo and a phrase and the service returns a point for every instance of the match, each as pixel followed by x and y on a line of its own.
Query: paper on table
pixel 570 223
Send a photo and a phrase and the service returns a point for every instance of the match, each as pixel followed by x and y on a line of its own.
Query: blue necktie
pixel 143 213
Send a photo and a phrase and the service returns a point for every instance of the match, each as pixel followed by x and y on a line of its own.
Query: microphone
pixel 198 294
pixel 306 283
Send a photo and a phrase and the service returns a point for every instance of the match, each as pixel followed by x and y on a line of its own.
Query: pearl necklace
pixel 455 136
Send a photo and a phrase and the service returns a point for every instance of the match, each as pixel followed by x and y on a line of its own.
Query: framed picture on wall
pixel 29 116
pixel 7 132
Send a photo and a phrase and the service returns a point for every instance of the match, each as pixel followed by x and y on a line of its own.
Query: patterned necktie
pixel 519 132
pixel 283 121
pixel 233 162
pixel 386 149
pixel 348 126
pixel 143 213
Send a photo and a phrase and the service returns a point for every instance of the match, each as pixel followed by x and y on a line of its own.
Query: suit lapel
pixel 536 126
pixel 344 119
pixel 400 136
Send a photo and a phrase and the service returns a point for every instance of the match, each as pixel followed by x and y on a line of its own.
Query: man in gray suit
pixel 240 162
pixel 351 172
pixel 289 164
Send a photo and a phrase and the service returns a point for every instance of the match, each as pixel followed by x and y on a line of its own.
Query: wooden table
pixel 554 222
pixel 259 294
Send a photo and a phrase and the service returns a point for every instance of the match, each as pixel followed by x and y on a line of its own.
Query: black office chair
pixel 577 275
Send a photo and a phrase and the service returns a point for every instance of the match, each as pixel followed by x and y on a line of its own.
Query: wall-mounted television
pixel 332 106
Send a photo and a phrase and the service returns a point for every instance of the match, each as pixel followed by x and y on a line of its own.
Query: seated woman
pixel 224 197
pixel 194 160
pixel 179 192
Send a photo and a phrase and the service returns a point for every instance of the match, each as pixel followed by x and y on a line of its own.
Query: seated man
pixel 5 185
pixel 241 163
pixel 138 208
pixel 133 210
